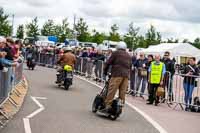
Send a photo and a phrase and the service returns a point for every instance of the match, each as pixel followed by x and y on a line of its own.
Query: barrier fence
pixel 9 77
pixel 179 89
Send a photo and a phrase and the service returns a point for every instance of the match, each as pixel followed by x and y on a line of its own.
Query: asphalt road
pixel 70 111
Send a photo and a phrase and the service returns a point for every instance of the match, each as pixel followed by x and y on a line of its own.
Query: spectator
pixel 85 56
pixel 92 55
pixel 133 74
pixel 190 71
pixel 150 60
pixel 9 49
pixel 198 64
pixel 84 53
pixel 168 79
pixel 156 75
pixel 108 54
pixel 23 50
pixel 98 62
pixel 2 44
pixel 142 74
pixel 16 49
pixel 4 62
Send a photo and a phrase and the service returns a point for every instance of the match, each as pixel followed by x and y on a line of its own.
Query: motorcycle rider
pixel 68 58
pixel 31 55
pixel 121 63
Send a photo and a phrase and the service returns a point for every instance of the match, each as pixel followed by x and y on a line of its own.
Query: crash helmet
pixel 66 49
pixel 121 45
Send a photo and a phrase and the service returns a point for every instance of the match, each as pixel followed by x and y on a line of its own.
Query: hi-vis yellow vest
pixel 156 72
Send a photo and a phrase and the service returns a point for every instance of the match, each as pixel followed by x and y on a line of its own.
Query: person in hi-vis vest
pixel 156 70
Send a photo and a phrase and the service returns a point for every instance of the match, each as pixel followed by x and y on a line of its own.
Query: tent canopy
pixel 176 49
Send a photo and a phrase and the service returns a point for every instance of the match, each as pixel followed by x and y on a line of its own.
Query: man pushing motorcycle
pixel 120 62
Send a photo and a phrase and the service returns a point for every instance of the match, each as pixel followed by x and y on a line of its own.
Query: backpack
pixel 196 108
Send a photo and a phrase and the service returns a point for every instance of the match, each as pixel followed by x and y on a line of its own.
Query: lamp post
pixel 13 17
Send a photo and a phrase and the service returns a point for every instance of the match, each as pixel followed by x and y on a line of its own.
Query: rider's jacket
pixel 68 59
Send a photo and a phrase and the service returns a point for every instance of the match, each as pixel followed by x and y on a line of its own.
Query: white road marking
pixel 35 113
pixel 41 98
pixel 27 126
pixel 147 117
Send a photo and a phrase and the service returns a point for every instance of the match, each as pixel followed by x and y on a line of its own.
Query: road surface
pixel 70 111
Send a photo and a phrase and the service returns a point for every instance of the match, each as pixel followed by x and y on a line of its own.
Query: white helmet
pixel 121 45
pixel 67 49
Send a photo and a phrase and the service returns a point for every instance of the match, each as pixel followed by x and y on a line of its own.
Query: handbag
pixel 143 72
pixel 30 55
pixel 160 91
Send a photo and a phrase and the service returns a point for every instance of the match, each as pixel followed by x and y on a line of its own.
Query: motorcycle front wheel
pixel 113 117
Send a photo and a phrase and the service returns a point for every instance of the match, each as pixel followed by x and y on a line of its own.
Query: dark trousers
pixel 152 93
pixel 84 66
pixel 132 81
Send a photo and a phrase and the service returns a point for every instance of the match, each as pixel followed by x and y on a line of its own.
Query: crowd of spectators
pixel 10 52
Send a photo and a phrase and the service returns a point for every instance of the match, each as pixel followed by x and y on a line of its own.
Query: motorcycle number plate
pixel 69 76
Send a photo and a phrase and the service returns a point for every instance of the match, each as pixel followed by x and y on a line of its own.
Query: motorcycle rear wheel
pixel 66 87
pixel 94 109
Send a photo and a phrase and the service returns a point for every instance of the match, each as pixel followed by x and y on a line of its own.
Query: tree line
pixel 81 31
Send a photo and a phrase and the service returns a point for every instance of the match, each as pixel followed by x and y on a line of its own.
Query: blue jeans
pixel 189 88
pixel 142 79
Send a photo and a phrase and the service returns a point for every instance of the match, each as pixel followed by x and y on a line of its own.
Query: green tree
pixel 20 31
pixel 172 40
pixel 32 28
pixel 48 28
pixel 58 31
pixel 98 37
pixel 197 43
pixel 82 29
pixel 186 41
pixel 152 36
pixel 66 32
pixel 131 38
pixel 142 43
pixel 114 35
pixel 5 27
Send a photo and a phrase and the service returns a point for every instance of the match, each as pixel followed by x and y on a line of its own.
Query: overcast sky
pixel 173 18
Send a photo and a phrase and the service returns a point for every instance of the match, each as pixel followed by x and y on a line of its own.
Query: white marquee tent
pixel 176 49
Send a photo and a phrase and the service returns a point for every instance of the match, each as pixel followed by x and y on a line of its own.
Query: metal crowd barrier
pixel 47 59
pixel 90 68
pixel 185 89
pixel 18 73
pixel 8 79
pixel 179 89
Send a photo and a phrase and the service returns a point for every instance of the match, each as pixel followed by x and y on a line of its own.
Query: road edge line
pixel 147 117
